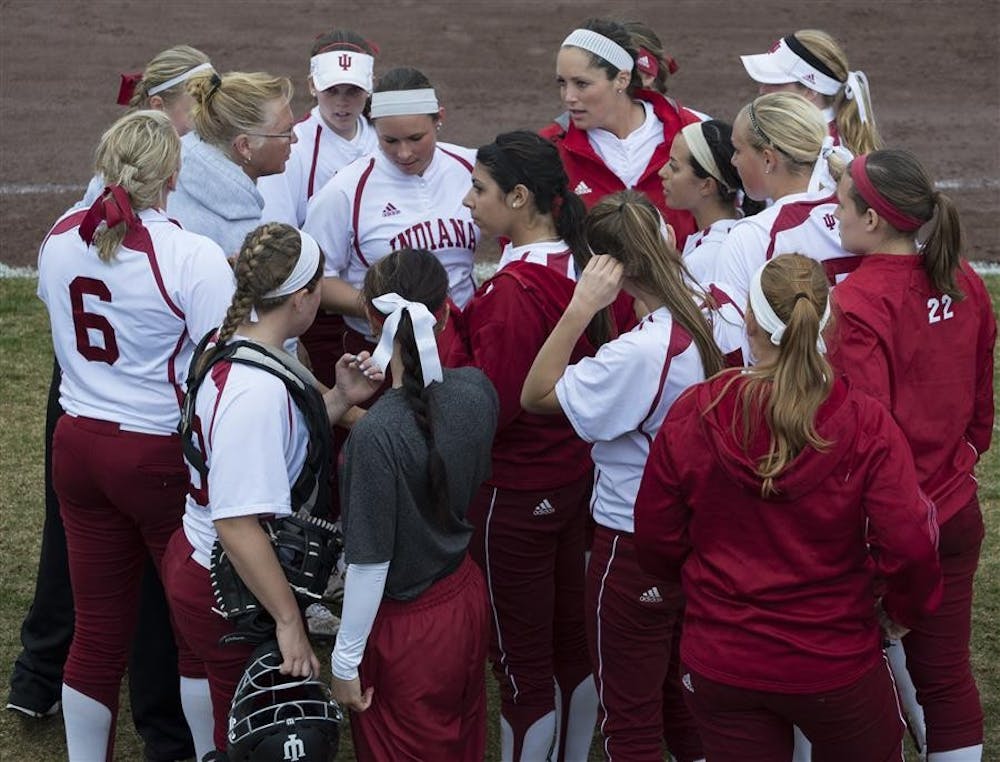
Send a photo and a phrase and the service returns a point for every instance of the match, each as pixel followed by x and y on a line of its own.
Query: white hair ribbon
pixel 393 305
pixel 179 78
pixel 821 179
pixel 404 103
pixel 304 270
pixel 855 90
pixel 601 46
pixel 768 319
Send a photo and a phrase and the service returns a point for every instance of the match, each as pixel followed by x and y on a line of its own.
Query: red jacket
pixel 780 590
pixel 583 165
pixel 928 359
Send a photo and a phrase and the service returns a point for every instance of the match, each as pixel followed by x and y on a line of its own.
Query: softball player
pixel 619 135
pixel 242 132
pixel 617 400
pixel 917 331
pixel 125 289
pixel 812 64
pixel 531 514
pixel 334 133
pixel 758 495
pixel 254 438
pixel 411 651
pixel 700 177
pixel 778 140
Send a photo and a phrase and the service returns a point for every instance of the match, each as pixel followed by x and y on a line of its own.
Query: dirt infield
pixel 933 71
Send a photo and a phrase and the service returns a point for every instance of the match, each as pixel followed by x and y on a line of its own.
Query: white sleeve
pixel 206 289
pixel 279 199
pixel 328 220
pixel 610 394
pixel 364 585
pixel 739 256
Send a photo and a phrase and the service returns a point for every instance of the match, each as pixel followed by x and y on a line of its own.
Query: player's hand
pixel 348 693
pixel 358 378
pixel 599 283
pixel 297 657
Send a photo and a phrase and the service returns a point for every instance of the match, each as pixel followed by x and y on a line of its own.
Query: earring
pixel 619 91
pixel 767 170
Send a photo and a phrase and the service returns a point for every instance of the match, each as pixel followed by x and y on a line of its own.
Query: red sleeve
pixel 902 526
pixel 858 352
pixel 505 332
pixel 980 430
pixel 661 515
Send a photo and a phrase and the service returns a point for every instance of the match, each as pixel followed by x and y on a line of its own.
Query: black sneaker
pixel 34 714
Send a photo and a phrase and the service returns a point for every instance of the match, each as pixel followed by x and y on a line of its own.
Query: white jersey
pixel 317 156
pixel 800 223
pixel 552 254
pixel 618 399
pixel 628 158
pixel 371 208
pixel 124 331
pixel 254 439
pixel 701 250
pixel 728 322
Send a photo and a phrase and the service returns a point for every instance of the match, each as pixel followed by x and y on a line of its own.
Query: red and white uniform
pixel 254 439
pixel 317 156
pixel 372 208
pixel 591 158
pixel 752 621
pixel 701 250
pixel 123 333
pixel 618 400
pixel 799 223
pixel 929 360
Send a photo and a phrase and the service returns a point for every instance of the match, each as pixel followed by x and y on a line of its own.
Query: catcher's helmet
pixel 278 717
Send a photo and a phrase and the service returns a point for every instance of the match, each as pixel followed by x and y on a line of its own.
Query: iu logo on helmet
pixel 344 59
pixel 830 221
pixel 294 749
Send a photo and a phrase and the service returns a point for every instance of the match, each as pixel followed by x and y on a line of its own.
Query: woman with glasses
pixel 242 131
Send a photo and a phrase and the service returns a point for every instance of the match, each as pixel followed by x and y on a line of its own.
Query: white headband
pixel 393 305
pixel 342 67
pixel 855 89
pixel 178 79
pixel 404 103
pixel 701 153
pixel 601 46
pixel 768 319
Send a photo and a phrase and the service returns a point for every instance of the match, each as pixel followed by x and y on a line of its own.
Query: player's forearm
pixel 538 394
pixel 341 297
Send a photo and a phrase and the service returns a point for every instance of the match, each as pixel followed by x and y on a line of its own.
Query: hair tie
pixel 126 89
pixel 216 81
pixel 801 295
pixel 884 208
pixel 671 63
pixel 768 319
pixel 112 207
pixel 821 177
pixel 394 305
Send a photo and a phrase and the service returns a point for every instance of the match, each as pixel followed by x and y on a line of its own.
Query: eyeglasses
pixel 285 135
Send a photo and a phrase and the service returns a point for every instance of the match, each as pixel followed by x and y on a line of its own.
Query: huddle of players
pixel 735 560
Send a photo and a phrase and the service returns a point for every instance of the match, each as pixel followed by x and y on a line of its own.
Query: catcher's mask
pixel 277 717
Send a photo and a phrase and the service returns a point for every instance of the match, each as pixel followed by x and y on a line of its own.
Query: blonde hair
pixel 860 137
pixel 234 103
pixel 139 152
pixel 164 66
pixel 626 226
pixel 792 126
pixel 790 391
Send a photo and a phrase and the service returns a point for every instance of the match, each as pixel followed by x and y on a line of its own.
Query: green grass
pixel 25 354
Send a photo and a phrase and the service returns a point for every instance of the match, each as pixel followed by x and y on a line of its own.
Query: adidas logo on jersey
pixel 582 189
pixel 544 508
pixel 390 210
pixel 651 596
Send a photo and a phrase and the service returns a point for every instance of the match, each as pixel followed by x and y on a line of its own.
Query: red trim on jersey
pixel 172 370
pixel 791 216
pixel 138 239
pixel 356 216
pixel 315 161
pixel 679 341
pixel 840 266
pixel 64 225
pixel 219 374
pixel 457 158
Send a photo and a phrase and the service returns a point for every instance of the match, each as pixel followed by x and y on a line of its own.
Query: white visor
pixel 342 67
pixel 781 65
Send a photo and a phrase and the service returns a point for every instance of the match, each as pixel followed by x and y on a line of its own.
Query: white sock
pixel 197 703
pixel 537 741
pixel 965 754
pixel 581 720
pixel 88 726
pixel 912 711
pixel 803 749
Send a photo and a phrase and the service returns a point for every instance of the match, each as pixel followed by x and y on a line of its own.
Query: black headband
pixel 804 53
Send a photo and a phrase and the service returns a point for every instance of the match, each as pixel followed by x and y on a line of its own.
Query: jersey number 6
pixel 84 322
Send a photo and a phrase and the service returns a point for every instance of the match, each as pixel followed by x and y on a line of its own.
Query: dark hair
pixel 342 39
pixel 418 276
pixel 615 32
pixel 903 182
pixel 719 137
pixel 404 78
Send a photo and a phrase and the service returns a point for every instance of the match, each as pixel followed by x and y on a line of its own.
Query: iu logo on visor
pixel 345 61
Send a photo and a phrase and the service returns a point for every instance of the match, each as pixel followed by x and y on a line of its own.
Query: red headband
pixel 113 207
pixel 127 87
pixel 882 206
